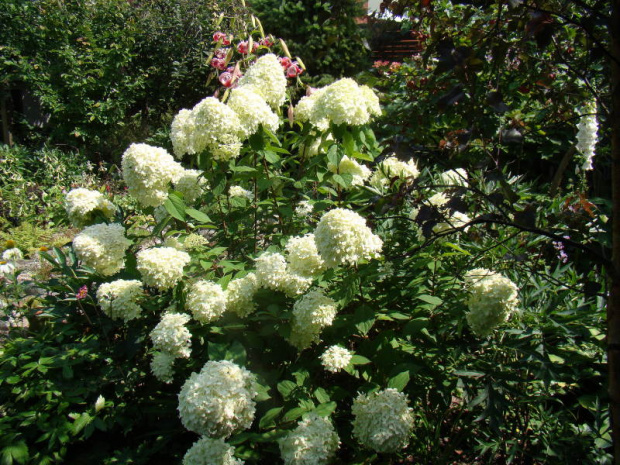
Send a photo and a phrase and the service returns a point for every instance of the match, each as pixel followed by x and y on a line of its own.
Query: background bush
pixel 324 33
pixel 109 72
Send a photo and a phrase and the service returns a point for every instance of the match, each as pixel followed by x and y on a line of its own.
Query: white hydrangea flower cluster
pixel 8 264
pixel 162 267
pixel 238 191
pixel 273 272
pixel 12 255
pixel 181 130
pixel 304 208
pixel 383 420
pixel 455 220
pixel 82 205
pixel 304 111
pixel 194 242
pixel 343 102
pixel 218 401
pixel 209 125
pixel 336 358
pixel 102 247
pixel 587 135
pixel 252 110
pixel 207 301
pixel 313 442
pixel 211 451
pixel 303 257
pixel 217 128
pixel 266 77
pixel 119 299
pixel 240 295
pixel 342 238
pixel 457 177
pixel 392 167
pixel 311 313
pixel 171 336
pixel 359 173
pixel 162 366
pixel 191 184
pixel 492 299
pixel 148 172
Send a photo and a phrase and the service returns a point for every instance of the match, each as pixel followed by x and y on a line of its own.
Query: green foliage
pixel 34 183
pixel 532 391
pixel 497 84
pixel 324 33
pixel 105 72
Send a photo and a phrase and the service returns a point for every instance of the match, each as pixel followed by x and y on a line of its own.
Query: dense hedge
pixel 106 72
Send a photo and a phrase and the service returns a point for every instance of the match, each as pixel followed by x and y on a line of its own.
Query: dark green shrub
pixel 34 183
pixel 108 72
pixel 324 33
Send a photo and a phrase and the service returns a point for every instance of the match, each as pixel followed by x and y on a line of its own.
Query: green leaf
pixel 363 156
pixel 15 453
pixel 359 360
pixel 326 409
pixel 468 374
pixel 161 225
pixel 365 318
pixel 456 247
pixel 321 395
pixel 175 206
pixel 294 414
pixel 268 419
pixel 271 157
pixel 399 381
pixel 244 169
pixel 416 325
pixel 67 372
pixel 257 141
pixel 430 299
pixel 234 352
pixel 198 215
pixel 262 393
pixel 343 179
pixel 278 150
pixel 286 388
pixel 81 422
pixel 334 156
pixel 348 143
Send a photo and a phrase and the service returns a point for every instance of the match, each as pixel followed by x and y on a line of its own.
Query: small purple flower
pixel 82 293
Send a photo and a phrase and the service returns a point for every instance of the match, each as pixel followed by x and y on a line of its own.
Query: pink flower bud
pixel 221 37
pixel 242 47
pixel 221 53
pixel 294 70
pixel 267 41
pixel 226 79
pixel 285 62
pixel 218 63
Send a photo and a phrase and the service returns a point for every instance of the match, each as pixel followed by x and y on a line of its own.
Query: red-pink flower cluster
pixel 291 68
pixel 267 41
pixel 230 77
pixel 223 38
pixel 244 47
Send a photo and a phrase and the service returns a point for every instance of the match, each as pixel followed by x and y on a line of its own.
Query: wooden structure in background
pixel 395 46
